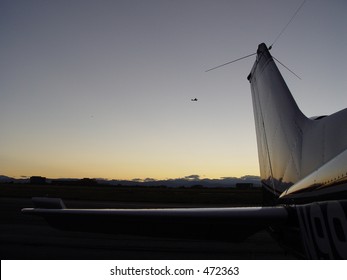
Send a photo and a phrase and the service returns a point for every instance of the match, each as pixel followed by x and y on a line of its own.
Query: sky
pixel 103 89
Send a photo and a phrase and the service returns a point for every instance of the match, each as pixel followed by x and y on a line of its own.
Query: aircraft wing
pixel 225 223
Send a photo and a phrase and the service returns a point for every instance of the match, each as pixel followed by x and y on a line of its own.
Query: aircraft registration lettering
pixel 324 229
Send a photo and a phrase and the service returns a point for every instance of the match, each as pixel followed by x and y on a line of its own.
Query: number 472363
pixel 215 270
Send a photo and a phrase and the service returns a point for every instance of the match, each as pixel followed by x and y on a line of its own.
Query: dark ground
pixel 28 237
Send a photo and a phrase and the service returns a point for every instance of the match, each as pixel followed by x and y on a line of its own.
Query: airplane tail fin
pixel 279 125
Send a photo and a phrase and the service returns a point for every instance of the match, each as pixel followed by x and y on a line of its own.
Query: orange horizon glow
pixel 126 175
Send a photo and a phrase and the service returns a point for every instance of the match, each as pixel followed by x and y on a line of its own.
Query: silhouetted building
pixel 244 186
pixel 38 180
pixel 87 181
pixel 65 182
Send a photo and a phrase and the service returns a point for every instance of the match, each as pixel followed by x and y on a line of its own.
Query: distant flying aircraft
pixel 303 166
pixel 194 99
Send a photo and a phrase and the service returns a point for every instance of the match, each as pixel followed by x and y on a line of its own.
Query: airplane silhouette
pixel 303 168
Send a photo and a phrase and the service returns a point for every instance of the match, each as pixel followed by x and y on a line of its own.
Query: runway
pixel 28 237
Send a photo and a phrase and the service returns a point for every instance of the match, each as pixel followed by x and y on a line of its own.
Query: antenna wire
pixel 279 35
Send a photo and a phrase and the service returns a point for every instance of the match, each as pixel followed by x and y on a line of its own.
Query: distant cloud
pixel 136 180
pixel 228 178
pixel 250 177
pixel 149 180
pixel 192 177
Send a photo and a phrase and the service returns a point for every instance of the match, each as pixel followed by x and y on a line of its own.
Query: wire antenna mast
pixel 230 62
pixel 270 47
pixel 289 22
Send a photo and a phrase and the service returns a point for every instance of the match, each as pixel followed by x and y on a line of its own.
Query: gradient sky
pixel 102 89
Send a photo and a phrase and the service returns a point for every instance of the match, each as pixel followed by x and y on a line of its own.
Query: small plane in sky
pixel 303 168
pixel 194 99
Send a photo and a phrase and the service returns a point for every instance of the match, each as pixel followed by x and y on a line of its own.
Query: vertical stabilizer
pixel 279 125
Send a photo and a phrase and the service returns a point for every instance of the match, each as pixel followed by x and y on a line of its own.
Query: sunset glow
pixel 103 89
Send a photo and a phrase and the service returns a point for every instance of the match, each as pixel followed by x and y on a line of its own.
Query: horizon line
pixel 143 180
